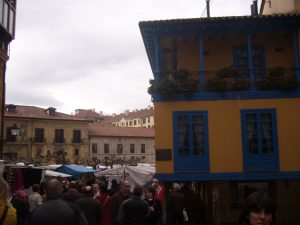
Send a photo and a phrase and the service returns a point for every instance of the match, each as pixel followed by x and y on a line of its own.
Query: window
pixel 94 148
pixel 106 148
pixel 59 136
pixel 148 119
pixel 132 148
pixel 76 136
pixel 143 148
pixel 134 122
pixel 191 141
pixel 9 136
pixel 130 123
pixel 144 120
pixel 240 56
pixel 119 148
pixel 39 135
pixel 259 132
pixel 76 152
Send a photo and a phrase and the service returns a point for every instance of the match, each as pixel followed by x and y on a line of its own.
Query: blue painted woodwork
pixel 247 176
pixel 259 135
pixel 190 138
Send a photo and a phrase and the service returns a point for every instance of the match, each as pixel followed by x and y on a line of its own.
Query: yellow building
pixel 227 108
pixel 7 34
pixel 45 136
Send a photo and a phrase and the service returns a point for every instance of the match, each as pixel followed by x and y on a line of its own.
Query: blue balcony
pixel 226 83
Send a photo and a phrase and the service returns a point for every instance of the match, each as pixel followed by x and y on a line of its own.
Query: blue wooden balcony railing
pixel 225 80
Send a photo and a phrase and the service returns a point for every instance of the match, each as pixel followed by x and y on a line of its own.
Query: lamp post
pixel 15 130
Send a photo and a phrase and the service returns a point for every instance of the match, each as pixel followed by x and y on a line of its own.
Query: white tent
pixel 51 173
pixel 140 175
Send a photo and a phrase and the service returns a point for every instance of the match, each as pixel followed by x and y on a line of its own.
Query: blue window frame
pixel 240 59
pixel 191 141
pixel 260 142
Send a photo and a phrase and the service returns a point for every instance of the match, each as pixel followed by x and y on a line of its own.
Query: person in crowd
pixel 258 209
pixel 117 199
pixel 35 199
pixel 155 209
pixel 72 194
pixel 160 195
pixel 175 205
pixel 90 206
pixel 56 211
pixel 114 187
pixel 105 200
pixel 20 203
pixel 8 213
pixel 96 191
pixel 134 210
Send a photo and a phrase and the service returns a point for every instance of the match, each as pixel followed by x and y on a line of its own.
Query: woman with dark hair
pixel 155 209
pixel 258 209
pixel 104 199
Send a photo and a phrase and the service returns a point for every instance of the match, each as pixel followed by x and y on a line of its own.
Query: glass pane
pixel 198 139
pixel 183 136
pixel 1 12
pixel 266 117
pixel 5 16
pixel 183 119
pixel 251 117
pixel 197 119
pixel 11 21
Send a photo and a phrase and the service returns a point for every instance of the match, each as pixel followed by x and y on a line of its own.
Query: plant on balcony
pixel 276 80
pixel 179 80
pixel 227 79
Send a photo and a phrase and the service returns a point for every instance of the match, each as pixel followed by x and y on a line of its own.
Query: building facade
pixel 7 34
pixel 136 118
pixel 227 109
pixel 45 136
pixel 113 145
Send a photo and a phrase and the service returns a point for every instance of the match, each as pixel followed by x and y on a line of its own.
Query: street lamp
pixel 15 130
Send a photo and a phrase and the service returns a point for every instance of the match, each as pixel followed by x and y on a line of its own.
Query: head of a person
pixel 150 192
pixel 4 191
pixel 176 187
pixel 35 187
pixel 125 186
pixel 54 186
pixel 114 183
pixel 258 209
pixel 155 182
pixel 95 187
pixel 103 188
pixel 137 191
pixel 88 191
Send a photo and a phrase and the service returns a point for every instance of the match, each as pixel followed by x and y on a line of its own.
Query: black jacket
pixel 56 211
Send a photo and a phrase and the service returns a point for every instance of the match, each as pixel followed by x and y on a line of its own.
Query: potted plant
pixel 276 79
pixel 179 80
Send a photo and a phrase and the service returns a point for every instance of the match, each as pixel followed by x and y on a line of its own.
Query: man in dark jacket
pixel 175 205
pixel 56 211
pixel 117 199
pixel 134 210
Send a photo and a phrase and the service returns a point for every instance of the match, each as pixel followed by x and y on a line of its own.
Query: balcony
pixel 226 83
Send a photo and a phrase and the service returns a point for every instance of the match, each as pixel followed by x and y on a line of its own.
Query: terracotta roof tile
pixel 141 113
pixel 24 111
pixel 111 131
pixel 88 114
pixel 220 18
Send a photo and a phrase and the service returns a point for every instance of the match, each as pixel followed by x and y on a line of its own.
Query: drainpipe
pixel 207 8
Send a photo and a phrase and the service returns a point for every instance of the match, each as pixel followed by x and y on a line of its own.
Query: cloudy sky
pixel 74 54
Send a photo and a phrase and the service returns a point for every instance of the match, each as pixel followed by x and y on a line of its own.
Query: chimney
pixel 207 8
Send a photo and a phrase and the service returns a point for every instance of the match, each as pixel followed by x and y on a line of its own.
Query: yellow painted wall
pixel 280 6
pixel 218 51
pixel 224 124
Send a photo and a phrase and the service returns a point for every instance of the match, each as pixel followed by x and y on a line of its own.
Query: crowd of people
pixel 76 202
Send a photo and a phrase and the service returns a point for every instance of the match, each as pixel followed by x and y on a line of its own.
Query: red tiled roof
pixel 220 18
pixel 142 113
pixel 111 131
pixel 24 111
pixel 88 114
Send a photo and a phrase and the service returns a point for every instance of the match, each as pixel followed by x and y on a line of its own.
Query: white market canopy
pixel 51 173
pixel 140 175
